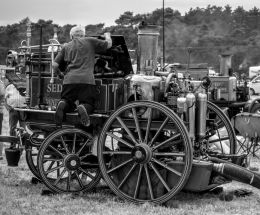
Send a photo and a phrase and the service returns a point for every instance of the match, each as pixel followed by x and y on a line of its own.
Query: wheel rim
pixel 31 159
pixel 65 162
pixel 137 154
pixel 32 150
pixel 220 135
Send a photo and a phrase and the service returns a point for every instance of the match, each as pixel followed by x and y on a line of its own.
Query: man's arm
pixel 56 70
pixel 107 36
pixel 56 63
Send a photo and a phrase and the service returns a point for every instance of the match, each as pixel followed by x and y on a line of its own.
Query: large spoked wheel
pixel 65 162
pixel 144 152
pixel 220 135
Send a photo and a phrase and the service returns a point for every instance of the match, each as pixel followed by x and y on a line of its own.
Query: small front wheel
pixel 66 163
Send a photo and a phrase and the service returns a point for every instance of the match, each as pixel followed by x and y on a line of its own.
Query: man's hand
pixel 56 70
pixel 60 76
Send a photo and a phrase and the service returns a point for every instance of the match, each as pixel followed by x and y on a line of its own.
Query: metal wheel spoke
pixel 160 177
pixel 56 150
pixel 52 159
pixel 166 167
pixel 60 176
pixel 127 130
pixel 120 140
pixel 68 180
pixel 150 113
pixel 167 141
pixel 219 140
pixel 127 176
pixel 137 125
pixel 120 165
pixel 74 143
pixel 51 165
pixel 84 156
pixel 54 169
pixel 86 173
pixel 148 181
pixel 218 123
pixel 166 154
pixel 86 142
pixel 64 145
pixel 138 180
pixel 89 164
pixel 159 131
pixel 117 153
pixel 79 180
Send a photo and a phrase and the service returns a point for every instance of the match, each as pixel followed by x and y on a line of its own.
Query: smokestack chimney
pixel 225 64
pixel 147 48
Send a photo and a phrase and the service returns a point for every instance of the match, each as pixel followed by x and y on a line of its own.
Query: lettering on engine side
pixel 54 88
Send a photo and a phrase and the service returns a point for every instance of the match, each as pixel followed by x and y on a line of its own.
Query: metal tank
pixel 201 114
pixel 191 104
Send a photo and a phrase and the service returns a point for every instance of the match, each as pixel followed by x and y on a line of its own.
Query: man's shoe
pixel 83 115
pixel 58 117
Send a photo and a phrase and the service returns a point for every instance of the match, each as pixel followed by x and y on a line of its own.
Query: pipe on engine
pixel 201 114
pixel 28 35
pixel 238 173
pixel 190 100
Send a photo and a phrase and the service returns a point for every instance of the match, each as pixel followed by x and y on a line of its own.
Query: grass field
pixel 19 196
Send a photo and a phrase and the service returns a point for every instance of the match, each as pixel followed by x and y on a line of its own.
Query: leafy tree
pixel 205 32
pixel 125 19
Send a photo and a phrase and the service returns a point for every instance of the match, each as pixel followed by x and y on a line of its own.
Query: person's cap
pixel 78 31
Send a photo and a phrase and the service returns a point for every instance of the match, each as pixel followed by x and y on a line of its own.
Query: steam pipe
pixel 191 100
pixel 163 37
pixel 40 70
pixel 238 173
pixel 28 68
pixel 52 61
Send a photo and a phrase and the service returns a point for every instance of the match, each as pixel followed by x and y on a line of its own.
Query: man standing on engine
pixel 79 81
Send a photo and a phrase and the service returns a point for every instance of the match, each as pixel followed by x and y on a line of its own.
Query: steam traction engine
pixel 150 137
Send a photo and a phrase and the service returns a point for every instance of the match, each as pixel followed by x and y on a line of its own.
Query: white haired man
pixel 79 81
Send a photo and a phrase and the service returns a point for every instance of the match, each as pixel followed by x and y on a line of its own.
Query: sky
pixel 85 12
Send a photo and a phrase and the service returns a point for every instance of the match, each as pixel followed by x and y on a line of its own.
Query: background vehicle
pixel 254 85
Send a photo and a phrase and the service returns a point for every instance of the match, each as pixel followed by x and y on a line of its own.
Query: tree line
pixel 201 35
